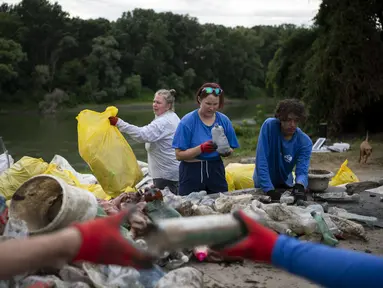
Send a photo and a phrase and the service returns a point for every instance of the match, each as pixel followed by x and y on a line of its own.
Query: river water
pixel 29 134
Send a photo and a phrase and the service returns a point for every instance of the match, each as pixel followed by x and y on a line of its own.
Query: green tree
pixel 345 73
pixel 10 56
pixel 103 71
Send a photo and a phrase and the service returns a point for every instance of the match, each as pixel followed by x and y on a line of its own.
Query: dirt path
pixel 261 275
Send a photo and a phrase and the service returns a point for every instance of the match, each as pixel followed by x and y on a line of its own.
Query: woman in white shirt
pixel 158 137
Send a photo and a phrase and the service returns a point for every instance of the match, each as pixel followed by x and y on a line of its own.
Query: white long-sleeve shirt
pixel 158 138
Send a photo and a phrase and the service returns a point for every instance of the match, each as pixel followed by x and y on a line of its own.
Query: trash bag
pixel 107 152
pixel 96 190
pixel 230 181
pixel 242 175
pixel 12 178
pixel 219 138
pixel 62 163
pixel 65 175
pixel 344 176
pixel 112 275
pixel 71 179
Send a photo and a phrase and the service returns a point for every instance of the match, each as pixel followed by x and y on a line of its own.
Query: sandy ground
pixel 260 275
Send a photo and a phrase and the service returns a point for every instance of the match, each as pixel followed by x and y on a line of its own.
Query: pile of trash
pixel 86 274
pixel 305 222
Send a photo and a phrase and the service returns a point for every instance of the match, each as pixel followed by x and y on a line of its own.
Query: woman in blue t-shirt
pixel 201 166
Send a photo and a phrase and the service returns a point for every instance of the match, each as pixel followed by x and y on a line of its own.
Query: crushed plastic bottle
pixel 219 138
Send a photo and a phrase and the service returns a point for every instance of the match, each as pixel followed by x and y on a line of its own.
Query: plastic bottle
pixel 328 238
pixel 200 253
pixel 219 138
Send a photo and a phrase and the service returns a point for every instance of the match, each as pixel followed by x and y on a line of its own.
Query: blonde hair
pixel 169 96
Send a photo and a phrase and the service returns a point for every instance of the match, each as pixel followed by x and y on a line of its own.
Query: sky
pixel 225 12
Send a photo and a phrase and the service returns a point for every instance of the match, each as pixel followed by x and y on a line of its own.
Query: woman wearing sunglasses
pixel 201 166
pixel 158 137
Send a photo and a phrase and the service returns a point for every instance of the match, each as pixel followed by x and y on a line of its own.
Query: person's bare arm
pixel 188 154
pixel 25 255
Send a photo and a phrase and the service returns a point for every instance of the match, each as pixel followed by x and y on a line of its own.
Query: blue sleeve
pixel 230 134
pixel 182 137
pixel 261 164
pixel 303 163
pixel 327 266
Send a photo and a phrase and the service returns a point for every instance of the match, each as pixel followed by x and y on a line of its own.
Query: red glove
pixel 113 120
pixel 258 244
pixel 103 243
pixel 208 147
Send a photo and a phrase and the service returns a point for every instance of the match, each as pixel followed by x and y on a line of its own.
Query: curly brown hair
pixel 202 95
pixel 293 106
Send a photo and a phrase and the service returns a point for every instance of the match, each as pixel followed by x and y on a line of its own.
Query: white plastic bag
pixel 4 162
pixel 112 275
pixel 62 163
pixel 219 138
pixel 186 277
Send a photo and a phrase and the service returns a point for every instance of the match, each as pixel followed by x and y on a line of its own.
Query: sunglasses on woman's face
pixel 211 90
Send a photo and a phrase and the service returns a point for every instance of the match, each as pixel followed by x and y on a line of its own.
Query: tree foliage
pixel 336 66
pixel 42 49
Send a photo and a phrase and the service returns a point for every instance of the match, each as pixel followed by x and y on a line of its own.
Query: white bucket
pixel 47 203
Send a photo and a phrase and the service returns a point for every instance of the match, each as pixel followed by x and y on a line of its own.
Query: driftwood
pixel 358 187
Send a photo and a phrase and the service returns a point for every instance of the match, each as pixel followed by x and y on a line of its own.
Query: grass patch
pixel 352 155
pixel 248 131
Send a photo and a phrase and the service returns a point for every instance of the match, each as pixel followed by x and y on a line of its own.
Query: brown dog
pixel 365 150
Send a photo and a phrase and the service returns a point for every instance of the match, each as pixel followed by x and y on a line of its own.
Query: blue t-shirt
pixel 192 132
pixel 276 157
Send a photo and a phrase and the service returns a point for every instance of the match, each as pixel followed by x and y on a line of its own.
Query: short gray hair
pixel 169 96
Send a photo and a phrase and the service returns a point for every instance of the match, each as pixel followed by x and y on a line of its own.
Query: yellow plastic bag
pixel 96 190
pixel 107 152
pixel 12 178
pixel 71 179
pixel 344 176
pixel 65 175
pixel 242 175
pixel 230 181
